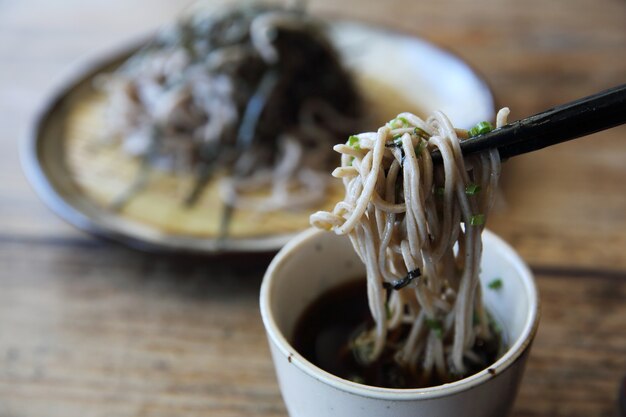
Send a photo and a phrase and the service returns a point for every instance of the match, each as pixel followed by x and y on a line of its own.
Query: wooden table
pixel 90 328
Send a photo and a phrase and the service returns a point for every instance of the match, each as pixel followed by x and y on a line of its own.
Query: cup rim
pixel 506 361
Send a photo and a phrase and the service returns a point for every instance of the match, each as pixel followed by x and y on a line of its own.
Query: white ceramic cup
pixel 316 261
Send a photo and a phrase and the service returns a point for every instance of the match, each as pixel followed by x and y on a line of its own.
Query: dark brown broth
pixel 324 331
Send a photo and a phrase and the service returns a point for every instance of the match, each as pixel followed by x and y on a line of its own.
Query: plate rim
pixel 160 242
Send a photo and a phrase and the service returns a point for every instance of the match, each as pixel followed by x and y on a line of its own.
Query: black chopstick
pixel 568 121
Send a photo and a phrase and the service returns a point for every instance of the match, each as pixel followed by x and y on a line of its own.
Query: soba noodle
pixel 417 228
pixel 255 92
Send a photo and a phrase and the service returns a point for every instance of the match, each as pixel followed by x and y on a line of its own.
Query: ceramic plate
pixel 396 72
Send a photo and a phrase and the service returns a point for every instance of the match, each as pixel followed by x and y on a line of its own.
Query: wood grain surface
pixel 89 328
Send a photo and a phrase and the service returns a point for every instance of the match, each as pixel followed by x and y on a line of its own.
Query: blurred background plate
pixel 396 72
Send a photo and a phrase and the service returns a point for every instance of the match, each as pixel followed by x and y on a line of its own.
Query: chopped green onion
pixel 398 143
pixel 436 326
pixel 361 349
pixel 351 160
pixel 420 132
pixel 495 284
pixel 354 142
pixel 477 220
pixel 472 189
pixel 399 122
pixel 440 191
pixel 357 378
pixel 420 147
pixel 480 129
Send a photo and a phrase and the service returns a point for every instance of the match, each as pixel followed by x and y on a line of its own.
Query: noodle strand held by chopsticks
pixel 408 218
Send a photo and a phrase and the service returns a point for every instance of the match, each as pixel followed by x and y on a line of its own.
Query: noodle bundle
pixel 417 228
pixel 254 94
